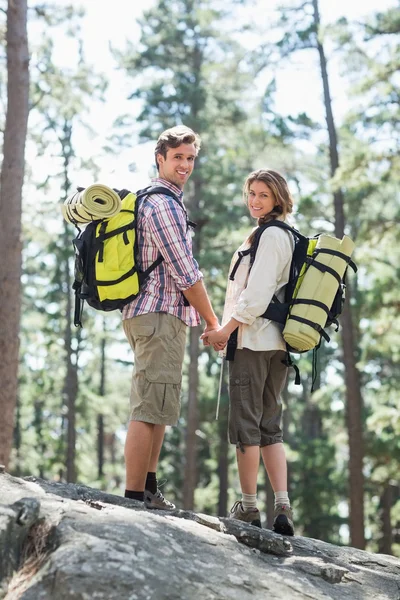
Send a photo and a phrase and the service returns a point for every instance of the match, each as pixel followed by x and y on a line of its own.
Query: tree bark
pixel 386 541
pixel 100 416
pixel 70 382
pixel 190 477
pixel 71 355
pixel 190 472
pixel 223 458
pixel 11 182
pixel 17 439
pixel 40 444
pixel 354 400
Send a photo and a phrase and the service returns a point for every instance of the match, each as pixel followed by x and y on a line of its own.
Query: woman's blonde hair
pixel 278 186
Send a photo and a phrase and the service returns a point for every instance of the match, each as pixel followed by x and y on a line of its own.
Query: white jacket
pixel 248 296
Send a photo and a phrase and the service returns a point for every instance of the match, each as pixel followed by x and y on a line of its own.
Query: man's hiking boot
pixel 283 520
pixel 157 500
pixel 248 515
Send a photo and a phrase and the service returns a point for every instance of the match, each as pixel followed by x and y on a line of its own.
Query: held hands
pixel 208 328
pixel 217 338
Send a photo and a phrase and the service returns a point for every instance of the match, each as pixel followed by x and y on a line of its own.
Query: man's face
pixel 178 164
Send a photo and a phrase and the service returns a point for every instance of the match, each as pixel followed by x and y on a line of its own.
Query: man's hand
pixel 208 328
pixel 218 338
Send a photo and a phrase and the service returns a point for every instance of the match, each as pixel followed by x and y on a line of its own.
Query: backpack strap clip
pixel 289 363
pixel 78 305
pixel 241 253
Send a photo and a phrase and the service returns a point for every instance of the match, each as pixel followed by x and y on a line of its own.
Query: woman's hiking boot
pixel 248 515
pixel 157 500
pixel 283 520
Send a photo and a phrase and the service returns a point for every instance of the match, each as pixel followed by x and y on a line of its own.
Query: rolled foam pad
pixel 93 203
pixel 317 286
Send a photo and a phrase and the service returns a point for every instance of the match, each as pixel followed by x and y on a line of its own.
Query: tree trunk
pixel 352 377
pixel 100 446
pixel 11 182
pixel 190 477
pixel 223 458
pixel 100 416
pixel 190 473
pixel 386 541
pixel 354 408
pixel 71 355
pixel 71 382
pixel 40 445
pixel 17 439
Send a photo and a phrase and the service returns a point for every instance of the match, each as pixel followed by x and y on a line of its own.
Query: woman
pixel 258 372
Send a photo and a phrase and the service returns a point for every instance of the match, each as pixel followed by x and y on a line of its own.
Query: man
pixel 155 322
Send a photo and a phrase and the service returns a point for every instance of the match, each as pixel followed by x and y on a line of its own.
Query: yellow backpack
pixel 314 295
pixel 106 258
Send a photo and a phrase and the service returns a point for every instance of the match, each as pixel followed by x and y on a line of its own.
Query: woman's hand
pixel 218 337
pixel 219 347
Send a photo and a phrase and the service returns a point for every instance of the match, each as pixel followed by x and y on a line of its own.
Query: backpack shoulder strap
pixel 260 230
pixel 254 245
pixel 166 192
pixel 156 190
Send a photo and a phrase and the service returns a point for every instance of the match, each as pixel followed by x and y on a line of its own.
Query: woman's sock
pixel 249 500
pixel 282 498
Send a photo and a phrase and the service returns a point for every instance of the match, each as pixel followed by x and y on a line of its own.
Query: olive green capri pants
pixel 256 380
pixel 158 341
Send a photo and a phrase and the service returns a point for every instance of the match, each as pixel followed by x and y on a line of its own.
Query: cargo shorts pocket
pixel 143 331
pixel 243 421
pixel 240 390
pixel 137 333
pixel 165 388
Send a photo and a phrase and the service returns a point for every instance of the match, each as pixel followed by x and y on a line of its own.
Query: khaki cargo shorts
pixel 256 380
pixel 158 341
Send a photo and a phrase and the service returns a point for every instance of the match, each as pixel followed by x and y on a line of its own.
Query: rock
pixel 16 521
pixel 84 544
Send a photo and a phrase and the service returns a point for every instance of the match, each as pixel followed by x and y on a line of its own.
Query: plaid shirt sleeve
pixel 167 224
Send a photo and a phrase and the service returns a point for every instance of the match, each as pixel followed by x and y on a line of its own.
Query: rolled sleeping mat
pixel 320 287
pixel 95 202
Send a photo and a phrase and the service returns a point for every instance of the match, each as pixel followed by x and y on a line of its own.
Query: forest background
pixel 304 87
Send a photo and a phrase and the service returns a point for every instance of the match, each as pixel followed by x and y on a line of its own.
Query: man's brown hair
pixel 174 137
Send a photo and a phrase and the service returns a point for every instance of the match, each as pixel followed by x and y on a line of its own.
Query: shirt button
pixel 237 380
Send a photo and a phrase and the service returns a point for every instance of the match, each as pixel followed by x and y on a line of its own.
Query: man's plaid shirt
pixel 162 229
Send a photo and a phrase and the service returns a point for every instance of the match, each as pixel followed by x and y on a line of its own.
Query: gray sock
pixel 249 500
pixel 282 498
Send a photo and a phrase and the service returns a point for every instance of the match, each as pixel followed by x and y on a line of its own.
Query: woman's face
pixel 260 199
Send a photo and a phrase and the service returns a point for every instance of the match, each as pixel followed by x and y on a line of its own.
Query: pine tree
pixel 11 181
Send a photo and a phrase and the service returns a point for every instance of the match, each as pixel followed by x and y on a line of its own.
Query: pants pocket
pixel 164 388
pixel 243 414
